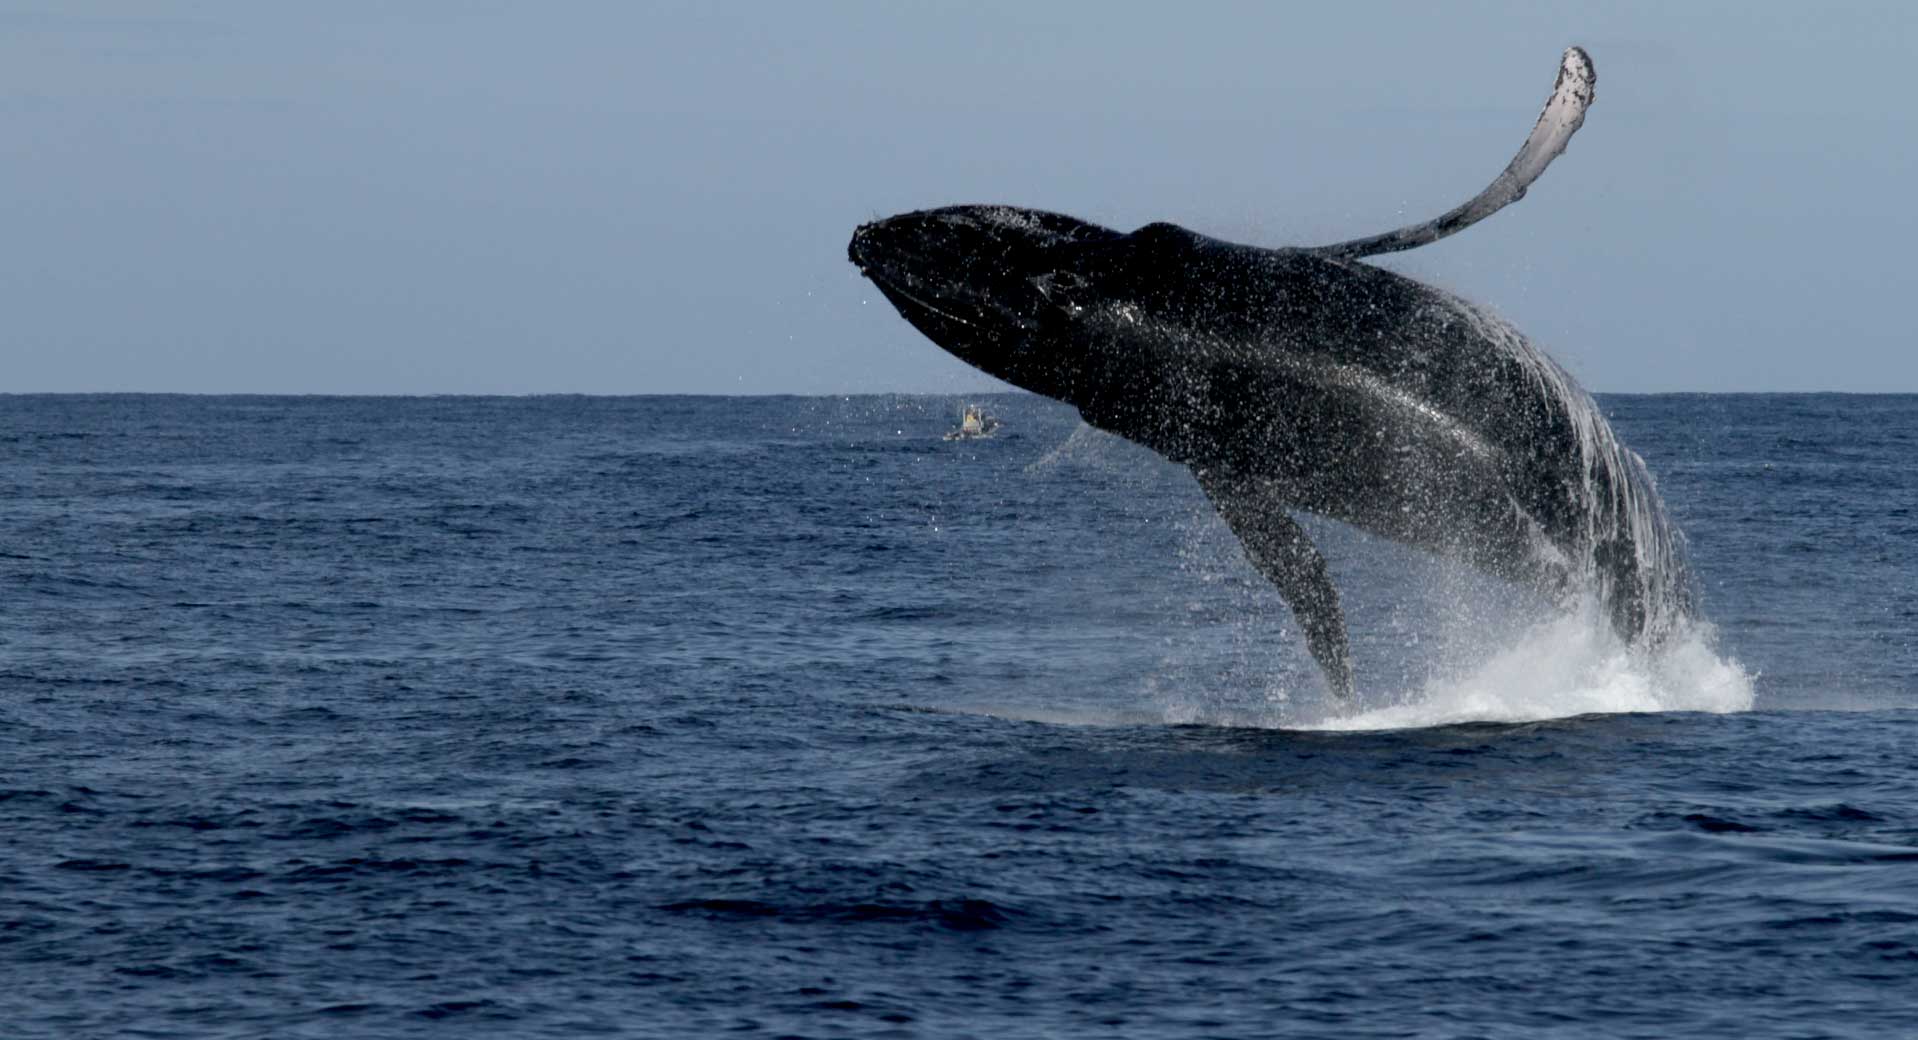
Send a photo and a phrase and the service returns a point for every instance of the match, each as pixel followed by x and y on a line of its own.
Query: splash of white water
pixel 1571 665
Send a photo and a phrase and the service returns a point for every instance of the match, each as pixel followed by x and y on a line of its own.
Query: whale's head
pixel 995 286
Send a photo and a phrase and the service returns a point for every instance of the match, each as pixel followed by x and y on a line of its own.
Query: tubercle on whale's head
pixel 995 286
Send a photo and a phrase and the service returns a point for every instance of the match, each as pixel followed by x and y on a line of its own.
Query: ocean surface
pixel 682 717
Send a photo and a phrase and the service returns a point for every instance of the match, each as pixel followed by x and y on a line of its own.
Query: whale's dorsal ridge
pixel 1564 112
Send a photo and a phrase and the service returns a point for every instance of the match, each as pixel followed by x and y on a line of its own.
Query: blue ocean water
pixel 787 717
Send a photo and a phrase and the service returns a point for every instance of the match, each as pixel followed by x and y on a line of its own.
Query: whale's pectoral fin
pixel 1284 553
pixel 1564 113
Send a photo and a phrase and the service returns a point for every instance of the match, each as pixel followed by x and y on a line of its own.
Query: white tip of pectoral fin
pixel 1564 113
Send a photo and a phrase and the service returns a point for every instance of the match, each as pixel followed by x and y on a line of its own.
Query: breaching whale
pixel 1302 380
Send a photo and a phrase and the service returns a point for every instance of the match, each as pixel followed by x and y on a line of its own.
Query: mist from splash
pixel 1571 664
pixel 1435 642
pixel 1566 665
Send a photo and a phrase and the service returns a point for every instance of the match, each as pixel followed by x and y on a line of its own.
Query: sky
pixel 656 197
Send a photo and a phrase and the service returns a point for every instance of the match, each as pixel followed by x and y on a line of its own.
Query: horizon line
pixel 1007 392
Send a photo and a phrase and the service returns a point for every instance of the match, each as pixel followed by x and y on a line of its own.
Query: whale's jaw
pixel 975 279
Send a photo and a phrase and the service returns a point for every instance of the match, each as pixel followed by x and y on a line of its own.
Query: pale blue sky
pixel 656 197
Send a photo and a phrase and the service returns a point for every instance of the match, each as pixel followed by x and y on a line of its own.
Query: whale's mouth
pixel 944 284
pixel 974 280
pixel 903 297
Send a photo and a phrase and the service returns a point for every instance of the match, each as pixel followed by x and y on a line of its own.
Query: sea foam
pixel 1571 664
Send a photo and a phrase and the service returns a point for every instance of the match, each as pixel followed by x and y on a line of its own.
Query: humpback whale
pixel 1302 380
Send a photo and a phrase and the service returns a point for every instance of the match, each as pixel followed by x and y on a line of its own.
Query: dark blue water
pixel 680 717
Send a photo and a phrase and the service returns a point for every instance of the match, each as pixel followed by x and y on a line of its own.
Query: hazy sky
pixel 656 197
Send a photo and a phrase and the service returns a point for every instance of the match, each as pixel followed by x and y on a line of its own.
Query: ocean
pixel 785 716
